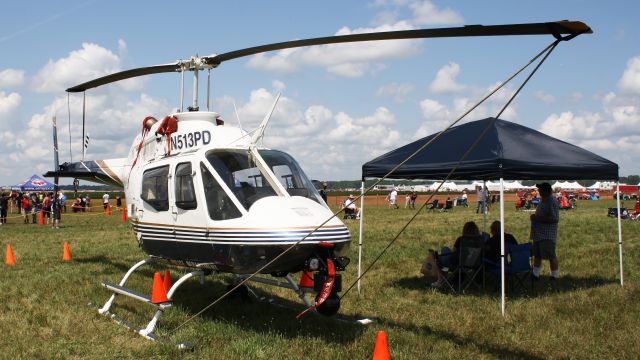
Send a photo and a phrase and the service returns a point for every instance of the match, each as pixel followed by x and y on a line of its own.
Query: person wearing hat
pixel 350 207
pixel 544 231
pixel 323 192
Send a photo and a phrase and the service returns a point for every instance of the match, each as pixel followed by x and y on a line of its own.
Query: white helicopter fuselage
pixel 218 201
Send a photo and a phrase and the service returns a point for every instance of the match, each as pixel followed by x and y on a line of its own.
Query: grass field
pixel 45 311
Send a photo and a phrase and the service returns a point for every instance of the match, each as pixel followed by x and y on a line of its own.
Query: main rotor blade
pixel 155 69
pixel 549 28
pixel 556 29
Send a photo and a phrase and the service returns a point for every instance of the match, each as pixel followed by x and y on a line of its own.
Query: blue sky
pixel 340 106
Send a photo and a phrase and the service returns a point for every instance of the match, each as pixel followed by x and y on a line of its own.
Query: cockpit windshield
pixel 248 183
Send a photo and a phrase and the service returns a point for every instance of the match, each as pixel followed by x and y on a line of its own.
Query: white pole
pixel 360 233
pixel 619 235
pixel 484 207
pixel 502 279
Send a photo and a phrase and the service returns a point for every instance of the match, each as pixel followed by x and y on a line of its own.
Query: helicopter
pixel 206 195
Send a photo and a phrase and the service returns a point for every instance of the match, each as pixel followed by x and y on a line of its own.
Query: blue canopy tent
pixel 507 151
pixel 34 183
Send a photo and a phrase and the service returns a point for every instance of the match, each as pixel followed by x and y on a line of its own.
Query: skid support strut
pixel 120 289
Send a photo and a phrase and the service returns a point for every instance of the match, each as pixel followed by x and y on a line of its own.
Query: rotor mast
pixel 195 64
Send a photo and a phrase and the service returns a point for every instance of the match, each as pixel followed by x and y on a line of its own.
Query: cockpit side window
pixel 185 191
pixel 155 188
pixel 219 204
pixel 241 175
pixel 290 175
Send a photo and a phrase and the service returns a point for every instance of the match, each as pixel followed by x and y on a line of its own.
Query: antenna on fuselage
pixel 259 133
pixel 235 109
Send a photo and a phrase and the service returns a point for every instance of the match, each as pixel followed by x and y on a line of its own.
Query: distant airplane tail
pixel 109 172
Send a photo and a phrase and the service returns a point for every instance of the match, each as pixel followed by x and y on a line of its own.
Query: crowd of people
pixel 52 204
pixel 543 236
pixel 30 204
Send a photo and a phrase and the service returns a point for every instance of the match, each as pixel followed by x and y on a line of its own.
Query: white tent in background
pixel 557 184
pixel 574 185
pixel 516 185
pixel 493 186
pixel 449 186
pixel 604 185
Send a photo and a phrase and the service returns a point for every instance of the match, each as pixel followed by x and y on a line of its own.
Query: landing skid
pixel 148 331
pixel 289 284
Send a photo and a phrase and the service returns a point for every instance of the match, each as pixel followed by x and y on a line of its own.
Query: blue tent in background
pixel 34 183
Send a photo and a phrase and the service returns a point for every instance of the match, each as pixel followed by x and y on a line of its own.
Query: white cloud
pixel 325 143
pixel 88 63
pixel 544 97
pixel 112 119
pixel 278 85
pixel 395 91
pixel 349 60
pixel 445 81
pixel 10 78
pixel 8 103
pixel 630 81
pixel 576 96
pixel 613 132
pixel 426 13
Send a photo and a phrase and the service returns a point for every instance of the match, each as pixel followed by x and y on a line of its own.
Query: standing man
pixel 465 198
pixel 393 197
pixel 323 192
pixel 105 200
pixel 56 208
pixel 544 231
pixel 481 200
pixel 4 206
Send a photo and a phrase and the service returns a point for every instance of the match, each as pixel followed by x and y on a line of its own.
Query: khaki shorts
pixel 544 249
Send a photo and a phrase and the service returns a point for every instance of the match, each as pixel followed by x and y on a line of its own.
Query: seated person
pixel 350 208
pixel 492 247
pixel 77 205
pixel 448 258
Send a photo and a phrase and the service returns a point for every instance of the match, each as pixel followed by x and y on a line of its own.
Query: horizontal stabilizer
pixel 107 172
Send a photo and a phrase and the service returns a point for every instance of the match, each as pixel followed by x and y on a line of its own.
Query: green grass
pixel 45 311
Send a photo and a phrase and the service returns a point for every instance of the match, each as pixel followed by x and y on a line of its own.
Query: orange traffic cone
pixel 306 279
pixel 41 219
pixel 108 210
pixel 124 215
pixel 66 254
pixel 381 351
pixel 158 293
pixel 166 281
pixel 10 259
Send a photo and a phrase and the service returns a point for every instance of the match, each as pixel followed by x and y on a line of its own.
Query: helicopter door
pixel 186 210
pixel 156 219
pixel 185 201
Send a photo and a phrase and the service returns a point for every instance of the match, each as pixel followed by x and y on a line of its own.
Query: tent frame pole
pixel 619 234
pixel 502 249
pixel 360 233
pixel 484 206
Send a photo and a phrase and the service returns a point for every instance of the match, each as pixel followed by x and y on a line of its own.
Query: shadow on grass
pixel 515 289
pixel 270 314
pixel 111 266
pixel 279 317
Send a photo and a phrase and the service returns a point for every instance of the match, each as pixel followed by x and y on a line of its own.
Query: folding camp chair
pixel 433 205
pixel 448 205
pixel 518 265
pixel 470 264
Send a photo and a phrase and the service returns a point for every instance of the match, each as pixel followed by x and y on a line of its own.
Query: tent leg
pixel 360 233
pixel 619 235
pixel 502 278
